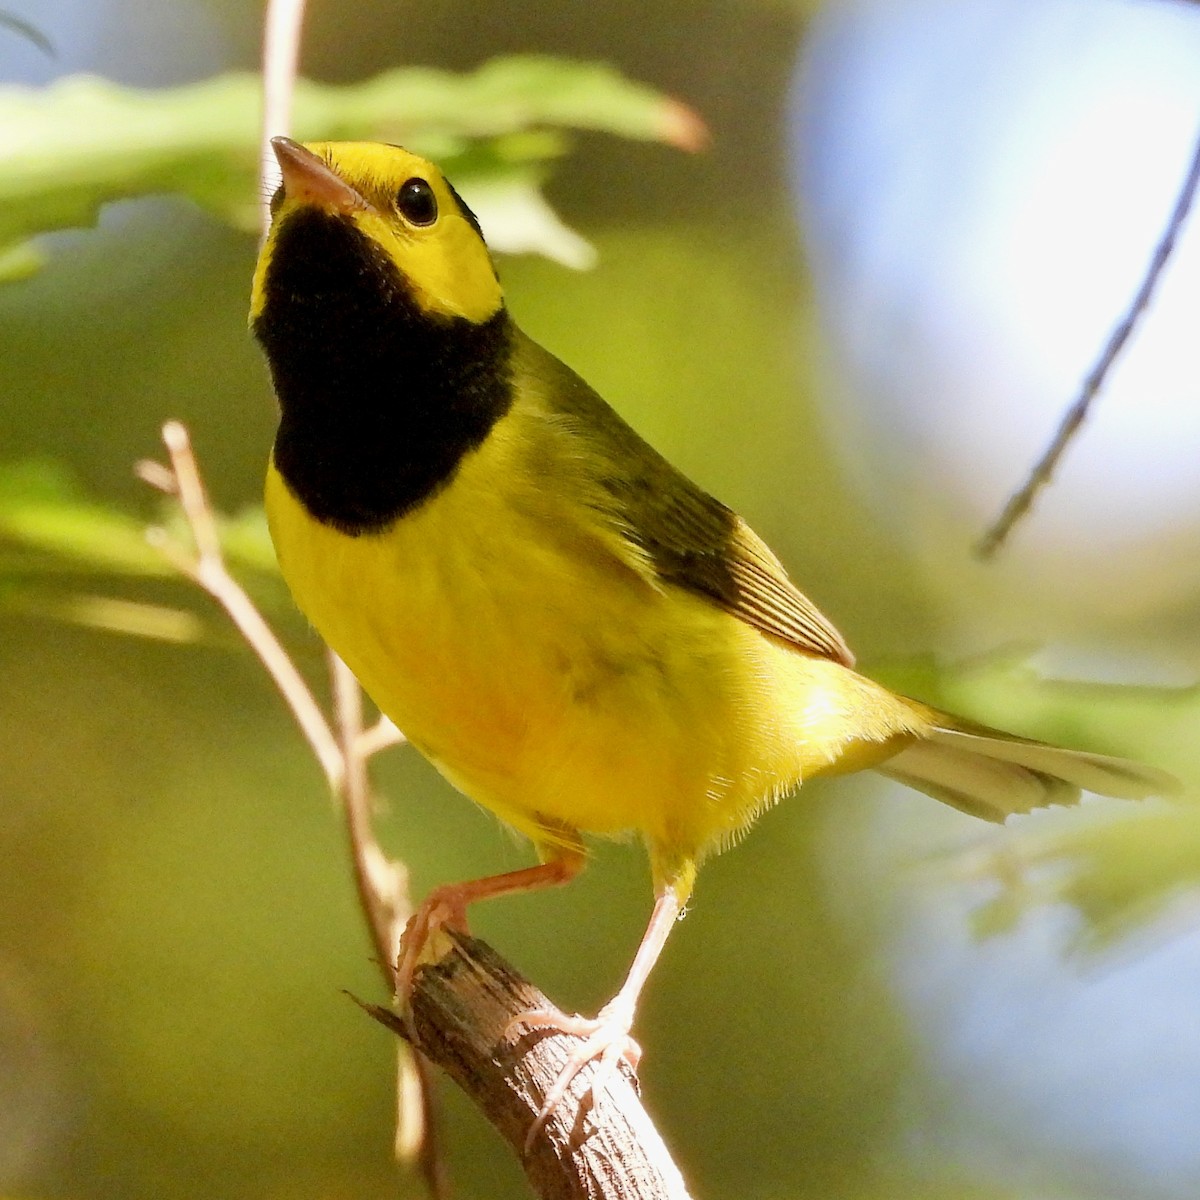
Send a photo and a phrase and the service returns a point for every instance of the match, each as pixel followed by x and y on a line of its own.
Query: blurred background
pixel 856 318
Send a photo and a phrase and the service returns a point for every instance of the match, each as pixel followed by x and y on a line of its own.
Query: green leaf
pixel 1120 865
pixel 54 540
pixel 1121 868
pixel 19 261
pixel 1123 874
pixel 518 220
pixel 85 141
pixel 246 540
pixel 508 95
pixel 111 614
pixel 1154 724
pixel 43 509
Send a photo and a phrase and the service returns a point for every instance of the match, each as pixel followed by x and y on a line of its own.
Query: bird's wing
pixel 689 539
pixel 698 544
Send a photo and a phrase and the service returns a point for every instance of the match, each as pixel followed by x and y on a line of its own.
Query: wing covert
pixel 689 539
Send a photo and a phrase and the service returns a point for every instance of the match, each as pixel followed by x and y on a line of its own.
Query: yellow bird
pixel 575 634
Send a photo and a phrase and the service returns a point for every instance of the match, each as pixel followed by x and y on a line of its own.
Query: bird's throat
pixel 380 401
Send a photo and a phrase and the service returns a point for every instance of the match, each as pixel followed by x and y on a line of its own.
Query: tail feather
pixel 992 775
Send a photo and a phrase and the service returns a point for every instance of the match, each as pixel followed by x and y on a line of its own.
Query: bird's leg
pixel 446 906
pixel 606 1037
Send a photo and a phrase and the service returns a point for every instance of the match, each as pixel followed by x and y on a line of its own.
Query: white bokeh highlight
pixel 982 184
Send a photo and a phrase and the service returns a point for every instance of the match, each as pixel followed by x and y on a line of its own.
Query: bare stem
pixel 382 883
pixel 1043 470
pixel 383 894
pixel 280 64
pixel 380 736
pixel 207 567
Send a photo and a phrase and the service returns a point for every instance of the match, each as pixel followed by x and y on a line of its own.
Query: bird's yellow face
pixel 377 305
pixel 402 204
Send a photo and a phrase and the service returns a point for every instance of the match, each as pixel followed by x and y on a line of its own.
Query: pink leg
pixel 446 906
pixel 606 1037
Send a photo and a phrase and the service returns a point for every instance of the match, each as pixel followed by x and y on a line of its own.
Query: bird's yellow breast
pixel 521 647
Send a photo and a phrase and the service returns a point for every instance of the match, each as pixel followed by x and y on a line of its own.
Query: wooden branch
pixel 465 1000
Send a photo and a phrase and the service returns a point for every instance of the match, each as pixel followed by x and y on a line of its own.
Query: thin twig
pixel 30 32
pixel 1022 500
pixel 207 567
pixel 383 894
pixel 382 884
pixel 381 736
pixel 282 30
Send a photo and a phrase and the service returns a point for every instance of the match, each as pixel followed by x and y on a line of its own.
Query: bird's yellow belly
pixel 556 686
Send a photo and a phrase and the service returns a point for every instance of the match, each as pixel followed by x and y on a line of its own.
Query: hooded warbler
pixel 575 634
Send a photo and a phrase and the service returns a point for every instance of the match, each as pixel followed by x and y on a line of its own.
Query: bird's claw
pixel 443 908
pixel 606 1042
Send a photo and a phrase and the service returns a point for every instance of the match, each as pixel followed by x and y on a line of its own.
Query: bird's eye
pixel 416 202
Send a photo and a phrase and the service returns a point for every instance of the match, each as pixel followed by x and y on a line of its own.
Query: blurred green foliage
pixel 179 921
pixel 86 141
pixel 43 509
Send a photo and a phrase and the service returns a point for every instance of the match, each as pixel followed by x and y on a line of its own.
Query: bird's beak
pixel 311 180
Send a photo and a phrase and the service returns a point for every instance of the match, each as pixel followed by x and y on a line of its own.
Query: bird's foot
pixel 605 1042
pixel 444 908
